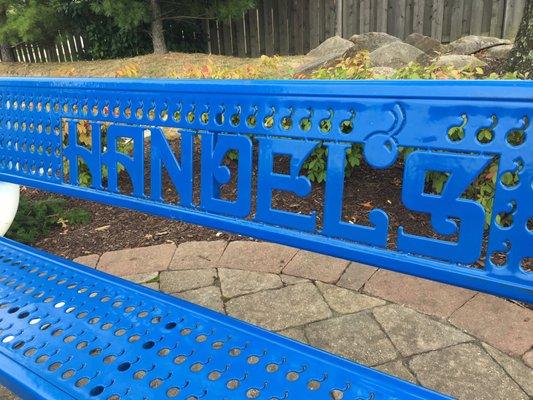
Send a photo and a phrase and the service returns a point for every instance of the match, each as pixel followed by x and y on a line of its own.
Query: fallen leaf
pixel 368 204
pixel 103 228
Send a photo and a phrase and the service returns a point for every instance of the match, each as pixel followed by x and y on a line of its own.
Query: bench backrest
pixel 51 129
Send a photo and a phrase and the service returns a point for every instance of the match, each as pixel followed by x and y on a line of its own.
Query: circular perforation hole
pixel 148 345
pixel 69 373
pixel 54 366
pixel 41 359
pixel 30 352
pixel 139 374
pixel 252 360
pixel 82 382
pixel 124 366
pixel 272 367
pixel 163 352
pixel 235 352
pixel 197 367
pixel 96 391
pixel 232 384
pixel 292 376
pixel 173 392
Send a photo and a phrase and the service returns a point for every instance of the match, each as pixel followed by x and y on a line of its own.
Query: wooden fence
pixel 71 48
pixel 296 26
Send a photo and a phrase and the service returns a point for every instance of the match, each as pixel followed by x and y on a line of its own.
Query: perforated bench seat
pixel 70 332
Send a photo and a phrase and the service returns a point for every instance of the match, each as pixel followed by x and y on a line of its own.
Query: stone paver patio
pixel 459 342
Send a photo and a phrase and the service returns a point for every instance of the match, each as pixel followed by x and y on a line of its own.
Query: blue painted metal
pixel 70 332
pixel 440 124
pixel 39 124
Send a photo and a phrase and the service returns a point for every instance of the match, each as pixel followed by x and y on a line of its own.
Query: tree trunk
pixel 6 52
pixel 158 35
pixel 521 57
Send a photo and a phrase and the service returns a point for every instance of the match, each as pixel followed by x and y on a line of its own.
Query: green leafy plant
pixel 35 218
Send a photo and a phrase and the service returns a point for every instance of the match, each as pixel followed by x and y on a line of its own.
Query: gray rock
pixel 355 336
pixel 522 374
pixel 234 282
pixel 459 61
pixel 209 297
pixel 465 371
pixel 180 281
pixel 371 41
pixel 397 55
pixel 345 301
pixel 428 45
pixel 281 308
pixel 472 44
pixel 326 54
pixel 333 46
pixel 499 51
pixel 414 333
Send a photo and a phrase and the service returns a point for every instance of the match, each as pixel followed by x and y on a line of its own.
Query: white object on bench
pixel 9 202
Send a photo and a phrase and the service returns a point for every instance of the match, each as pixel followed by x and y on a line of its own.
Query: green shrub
pixel 35 218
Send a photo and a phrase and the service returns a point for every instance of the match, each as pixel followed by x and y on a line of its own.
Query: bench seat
pixel 71 332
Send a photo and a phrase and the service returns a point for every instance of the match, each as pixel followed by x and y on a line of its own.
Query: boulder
pixel 397 55
pixel 428 45
pixel 499 51
pixel 459 61
pixel 326 54
pixel 371 41
pixel 472 44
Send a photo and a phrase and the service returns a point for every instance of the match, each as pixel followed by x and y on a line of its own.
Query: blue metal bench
pixel 70 332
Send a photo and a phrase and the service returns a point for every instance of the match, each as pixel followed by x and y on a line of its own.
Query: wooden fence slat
pixel 234 42
pixel 253 33
pixel 213 37
pixel 396 25
pixel 330 19
pixel 437 22
pixel 408 24
pixel 364 16
pixel 266 14
pixel 276 28
pixel 296 26
pixel 350 17
pixel 496 21
pixel 456 26
pixel 306 40
pixel 382 11
pixel 240 38
pixel 419 7
pixel 513 16
pixel 476 17
pixel 226 35
pixel 284 36
pixel 467 17
pixel 314 23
